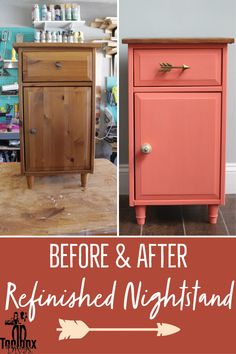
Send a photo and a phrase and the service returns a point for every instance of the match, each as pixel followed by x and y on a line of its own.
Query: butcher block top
pixel 177 40
pixel 57 45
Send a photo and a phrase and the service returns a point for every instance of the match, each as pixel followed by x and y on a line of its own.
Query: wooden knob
pixel 33 131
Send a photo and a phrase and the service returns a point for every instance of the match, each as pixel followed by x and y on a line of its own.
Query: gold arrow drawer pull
pixel 165 67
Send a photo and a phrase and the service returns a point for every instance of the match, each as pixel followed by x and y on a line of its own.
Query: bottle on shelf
pixel 43 37
pixel 57 13
pixel 37 36
pixel 8 118
pixel 76 37
pixel 64 37
pixel 54 37
pixel 13 55
pixel 52 9
pixel 75 12
pixel 63 12
pixel 71 37
pixel 59 37
pixel 49 14
pixel 48 37
pixel 16 110
pixel 44 12
pixel 81 37
pixel 35 13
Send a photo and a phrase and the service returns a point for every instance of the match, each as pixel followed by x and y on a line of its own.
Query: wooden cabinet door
pixel 57 128
pixel 184 131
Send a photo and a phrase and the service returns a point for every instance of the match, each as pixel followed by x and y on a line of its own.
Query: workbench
pixel 58 205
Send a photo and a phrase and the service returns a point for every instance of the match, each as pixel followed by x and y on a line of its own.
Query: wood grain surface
pixel 32 45
pixel 49 66
pixel 58 205
pixel 57 102
pixel 57 125
pixel 177 40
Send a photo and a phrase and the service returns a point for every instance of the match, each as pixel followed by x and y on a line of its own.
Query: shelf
pixel 8 148
pixel 9 136
pixel 56 25
pixel 9 64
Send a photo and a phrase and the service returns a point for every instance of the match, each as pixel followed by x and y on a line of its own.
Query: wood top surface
pixel 57 45
pixel 177 40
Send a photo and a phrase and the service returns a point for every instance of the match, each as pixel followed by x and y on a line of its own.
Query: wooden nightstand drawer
pixel 177 67
pixel 42 66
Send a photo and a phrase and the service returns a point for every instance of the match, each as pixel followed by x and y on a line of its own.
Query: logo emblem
pixel 19 341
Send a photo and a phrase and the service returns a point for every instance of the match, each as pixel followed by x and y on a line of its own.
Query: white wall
pixel 178 18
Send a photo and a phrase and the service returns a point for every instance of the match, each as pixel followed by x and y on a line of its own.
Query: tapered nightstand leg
pixel 30 181
pixel 140 212
pixel 84 179
pixel 213 213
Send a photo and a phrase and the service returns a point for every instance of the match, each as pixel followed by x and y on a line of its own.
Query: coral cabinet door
pixel 57 126
pixel 184 134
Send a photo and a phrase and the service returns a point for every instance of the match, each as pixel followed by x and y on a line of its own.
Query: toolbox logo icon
pixel 19 341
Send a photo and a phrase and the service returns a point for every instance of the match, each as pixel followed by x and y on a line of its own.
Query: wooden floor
pixel 179 220
pixel 57 205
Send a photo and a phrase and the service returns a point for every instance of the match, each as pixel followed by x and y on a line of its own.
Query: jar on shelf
pixel 68 12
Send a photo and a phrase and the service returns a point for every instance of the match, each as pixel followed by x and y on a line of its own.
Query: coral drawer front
pixel 184 162
pixel 190 67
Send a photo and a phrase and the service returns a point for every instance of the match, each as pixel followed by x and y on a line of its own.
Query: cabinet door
pixel 184 131
pixel 57 128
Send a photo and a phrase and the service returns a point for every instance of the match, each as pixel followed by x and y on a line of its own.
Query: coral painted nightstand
pixel 177 122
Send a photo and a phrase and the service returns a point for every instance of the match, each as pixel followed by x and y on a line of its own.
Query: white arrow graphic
pixel 78 329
